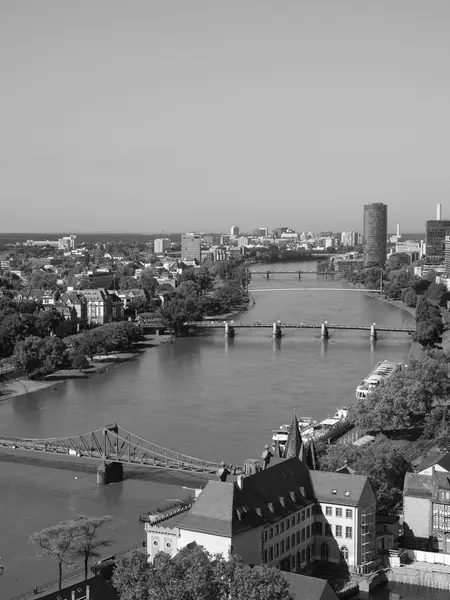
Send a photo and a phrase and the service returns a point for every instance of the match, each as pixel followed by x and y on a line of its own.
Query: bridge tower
pixel 277 330
pixel 324 334
pixel 109 471
pixel 229 330
pixel 373 332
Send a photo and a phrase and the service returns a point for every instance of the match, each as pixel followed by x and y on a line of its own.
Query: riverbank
pixel 99 364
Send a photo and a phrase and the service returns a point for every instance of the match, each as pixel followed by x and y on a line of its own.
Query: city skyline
pixel 179 117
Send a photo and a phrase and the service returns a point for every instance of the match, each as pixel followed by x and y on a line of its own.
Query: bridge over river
pixel 115 446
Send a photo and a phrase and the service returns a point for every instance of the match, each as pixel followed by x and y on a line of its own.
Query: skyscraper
pixel 375 234
pixel 435 234
pixel 234 231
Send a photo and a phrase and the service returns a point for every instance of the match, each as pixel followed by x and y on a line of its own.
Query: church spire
pixel 294 442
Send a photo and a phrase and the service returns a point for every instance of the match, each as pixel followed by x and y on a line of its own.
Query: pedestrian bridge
pixel 115 446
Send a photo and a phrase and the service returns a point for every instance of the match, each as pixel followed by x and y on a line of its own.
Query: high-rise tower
pixel 375 234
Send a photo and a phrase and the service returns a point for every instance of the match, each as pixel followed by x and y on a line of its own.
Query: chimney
pixel 239 481
pixel 439 212
pixel 88 593
pixel 398 230
pixel 72 595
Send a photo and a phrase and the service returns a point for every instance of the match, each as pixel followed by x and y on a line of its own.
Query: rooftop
pixel 347 489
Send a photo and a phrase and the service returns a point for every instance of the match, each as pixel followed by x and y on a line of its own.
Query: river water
pixel 206 396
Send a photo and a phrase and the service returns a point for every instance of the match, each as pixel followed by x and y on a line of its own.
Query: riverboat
pixel 379 374
pixel 310 429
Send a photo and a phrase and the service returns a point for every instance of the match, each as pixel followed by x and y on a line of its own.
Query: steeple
pixel 294 442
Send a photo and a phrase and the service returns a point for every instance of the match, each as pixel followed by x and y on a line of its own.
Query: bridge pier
pixel 324 334
pixel 229 330
pixel 109 472
pixel 267 274
pixel 299 275
pixel 277 330
pixel 373 332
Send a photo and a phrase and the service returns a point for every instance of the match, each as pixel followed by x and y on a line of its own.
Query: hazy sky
pixel 171 115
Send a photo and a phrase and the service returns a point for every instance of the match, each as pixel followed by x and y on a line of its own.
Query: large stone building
pixel 282 515
pixel 191 247
pixel 375 234
pixel 102 306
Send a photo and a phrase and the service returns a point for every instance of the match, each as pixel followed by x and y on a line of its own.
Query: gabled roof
pixel 443 460
pixel 212 512
pixel 426 486
pixel 302 587
pixel 341 488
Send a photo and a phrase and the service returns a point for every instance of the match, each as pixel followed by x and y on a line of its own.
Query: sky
pixel 182 115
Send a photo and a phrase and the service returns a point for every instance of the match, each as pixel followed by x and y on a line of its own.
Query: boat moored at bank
pixel 378 375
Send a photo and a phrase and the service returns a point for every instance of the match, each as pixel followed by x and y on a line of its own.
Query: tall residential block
pixel 191 247
pixel 234 231
pixel 161 245
pixel 447 254
pixel 375 234
pixel 436 232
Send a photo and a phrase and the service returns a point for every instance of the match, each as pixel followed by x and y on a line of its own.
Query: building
pixel 102 306
pixel 76 300
pixel 234 231
pixel 375 234
pixel 263 232
pixel 447 254
pixel 280 514
pixel 436 232
pixel 350 238
pixel 243 242
pixel 68 242
pixel 161 245
pixel 94 588
pixel 191 247
pixel 426 508
pixel 434 463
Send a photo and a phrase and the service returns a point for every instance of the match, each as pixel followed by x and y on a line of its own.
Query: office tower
pixel 191 247
pixel 263 232
pixel 161 245
pixel 435 234
pixel 375 234
pixel 447 254
pixel 234 231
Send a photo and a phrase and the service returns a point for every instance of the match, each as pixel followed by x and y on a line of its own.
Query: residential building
pixel 426 508
pixel 350 238
pixel 102 307
pixel 388 528
pixel 161 245
pixel 242 242
pixel 191 247
pixel 225 240
pixel 447 254
pixel 263 232
pixel 375 234
pixel 234 231
pixel 39 296
pixel 68 242
pixel 434 463
pixel 76 300
pixel 435 234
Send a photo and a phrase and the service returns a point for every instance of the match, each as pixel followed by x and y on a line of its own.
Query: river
pixel 206 396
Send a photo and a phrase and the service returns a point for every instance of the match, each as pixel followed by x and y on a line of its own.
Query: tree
pixel 86 544
pixel 26 357
pixel 80 362
pixel 131 576
pixel 379 460
pixel 56 541
pixel 53 354
pixel 429 324
pixel 409 297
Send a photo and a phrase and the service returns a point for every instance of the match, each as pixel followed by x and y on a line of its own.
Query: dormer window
pixel 282 501
pixel 270 507
pixel 292 495
pixel 334 492
pixel 347 494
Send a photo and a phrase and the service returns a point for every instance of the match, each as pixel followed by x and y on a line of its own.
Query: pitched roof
pixel 98 587
pixel 443 460
pixel 426 486
pixel 340 487
pixel 309 588
pixel 212 512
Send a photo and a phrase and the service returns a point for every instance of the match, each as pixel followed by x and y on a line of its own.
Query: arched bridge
pixel 115 444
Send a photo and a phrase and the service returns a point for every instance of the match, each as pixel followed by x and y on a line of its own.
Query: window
pixel 324 551
pixel 303 555
pixel 308 554
pixel 270 533
pixel 339 512
pixel 265 536
pixel 168 545
pixel 318 528
pixel 308 532
pixel 297 537
pixel 303 534
pixel 265 556
pixel 288 543
pixel 282 527
pixel 348 513
pixel 308 513
pixel 334 492
pixel 276 550
pixel 328 511
pixel 338 530
pixel 292 540
pixel 328 531
pixel 444 495
pixel 344 553
pixel 282 547
pixel 303 515
pixel 293 562
pixel 318 509
pixel 349 533
pixel 155 543
pixel 287 523
pixel 270 553
pixel 292 521
pixel 298 517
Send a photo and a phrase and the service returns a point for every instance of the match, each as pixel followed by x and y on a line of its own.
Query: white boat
pixel 280 435
pixel 379 374
pixel 310 429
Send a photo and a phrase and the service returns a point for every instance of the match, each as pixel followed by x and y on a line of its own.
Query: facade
pixel 426 507
pixel 161 245
pixel 435 234
pixel 447 254
pixel 375 234
pixel 263 231
pixel 242 242
pixel 350 238
pixel 234 231
pixel 191 247
pixel 78 302
pixel 102 307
